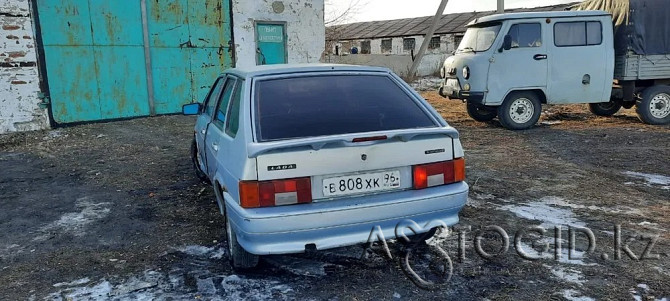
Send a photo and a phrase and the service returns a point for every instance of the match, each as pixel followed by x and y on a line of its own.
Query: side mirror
pixel 191 109
pixel 507 43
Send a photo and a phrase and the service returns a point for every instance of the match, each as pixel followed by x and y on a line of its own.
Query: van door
pixel 524 66
pixel 581 63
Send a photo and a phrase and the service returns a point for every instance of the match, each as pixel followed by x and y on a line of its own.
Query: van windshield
pixel 479 38
pixel 310 106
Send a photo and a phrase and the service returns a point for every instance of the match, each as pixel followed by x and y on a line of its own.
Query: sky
pixel 374 10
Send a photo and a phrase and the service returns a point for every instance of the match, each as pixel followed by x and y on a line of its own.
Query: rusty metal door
pixel 189 42
pixel 97 66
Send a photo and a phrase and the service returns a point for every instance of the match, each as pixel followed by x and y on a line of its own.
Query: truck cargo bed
pixel 642 67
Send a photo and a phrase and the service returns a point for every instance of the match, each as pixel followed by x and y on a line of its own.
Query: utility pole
pixel 501 6
pixel 427 37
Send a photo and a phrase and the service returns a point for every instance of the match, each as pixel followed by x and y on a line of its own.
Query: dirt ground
pixel 114 211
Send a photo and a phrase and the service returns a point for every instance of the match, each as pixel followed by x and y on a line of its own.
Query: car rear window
pixel 336 104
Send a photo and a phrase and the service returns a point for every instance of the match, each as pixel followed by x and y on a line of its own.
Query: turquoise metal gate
pixel 100 54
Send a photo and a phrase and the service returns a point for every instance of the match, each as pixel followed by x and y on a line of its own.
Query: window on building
pixel 365 47
pixel 578 33
pixel 457 41
pixel 387 45
pixel 526 35
pixel 434 43
pixel 408 44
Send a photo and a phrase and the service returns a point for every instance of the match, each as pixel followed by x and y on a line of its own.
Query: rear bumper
pixel 331 224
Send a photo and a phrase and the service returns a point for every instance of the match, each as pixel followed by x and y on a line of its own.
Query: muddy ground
pixel 113 211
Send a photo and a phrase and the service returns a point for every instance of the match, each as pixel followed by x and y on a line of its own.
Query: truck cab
pixel 508 65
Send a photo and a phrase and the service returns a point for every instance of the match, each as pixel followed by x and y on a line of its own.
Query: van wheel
pixel 520 110
pixel 481 113
pixel 654 107
pixel 195 158
pixel 605 108
pixel 239 258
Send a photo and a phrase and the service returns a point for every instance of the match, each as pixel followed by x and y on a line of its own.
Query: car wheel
pixel 195 158
pixel 520 110
pixel 419 238
pixel 654 107
pixel 239 258
pixel 480 112
pixel 605 109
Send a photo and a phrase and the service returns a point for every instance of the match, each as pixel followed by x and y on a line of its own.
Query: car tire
pixel 654 106
pixel 605 109
pixel 239 258
pixel 520 110
pixel 481 113
pixel 195 158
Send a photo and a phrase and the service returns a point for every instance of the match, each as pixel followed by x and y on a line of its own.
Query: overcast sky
pixel 373 10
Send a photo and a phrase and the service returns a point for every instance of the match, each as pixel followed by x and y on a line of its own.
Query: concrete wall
pixel 400 64
pixel 305 29
pixel 19 77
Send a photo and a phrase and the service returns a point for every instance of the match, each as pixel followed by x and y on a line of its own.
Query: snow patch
pixel 544 211
pixel 73 283
pixel 567 274
pixel 75 223
pixel 200 251
pixel 574 295
pixel 651 179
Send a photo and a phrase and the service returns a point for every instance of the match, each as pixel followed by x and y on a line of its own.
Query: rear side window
pixel 233 122
pixel 578 33
pixel 331 105
pixel 222 109
pixel 526 35
pixel 210 103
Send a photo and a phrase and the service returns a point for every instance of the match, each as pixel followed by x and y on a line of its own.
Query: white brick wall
pixel 305 28
pixel 19 77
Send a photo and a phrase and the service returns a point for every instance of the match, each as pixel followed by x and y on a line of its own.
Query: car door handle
pixel 538 57
pixel 202 132
pixel 215 147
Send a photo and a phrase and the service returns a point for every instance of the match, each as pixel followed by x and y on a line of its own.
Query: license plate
pixel 362 183
pixel 453 84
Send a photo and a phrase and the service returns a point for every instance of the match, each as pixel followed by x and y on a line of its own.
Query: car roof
pixel 544 14
pixel 253 71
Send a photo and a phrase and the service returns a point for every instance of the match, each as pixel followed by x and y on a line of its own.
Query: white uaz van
pixel 508 65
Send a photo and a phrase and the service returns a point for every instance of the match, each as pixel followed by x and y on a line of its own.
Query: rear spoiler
pixel 255 149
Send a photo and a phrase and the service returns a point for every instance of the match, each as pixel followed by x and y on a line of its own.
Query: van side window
pixel 578 33
pixel 526 35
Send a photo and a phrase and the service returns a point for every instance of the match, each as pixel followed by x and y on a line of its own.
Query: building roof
pixel 449 23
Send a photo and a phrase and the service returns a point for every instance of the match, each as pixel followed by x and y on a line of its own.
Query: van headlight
pixel 443 74
pixel 466 72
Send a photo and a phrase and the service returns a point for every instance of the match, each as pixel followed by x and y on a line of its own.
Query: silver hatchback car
pixel 305 157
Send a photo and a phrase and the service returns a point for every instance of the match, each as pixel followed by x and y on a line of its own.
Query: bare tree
pixel 337 14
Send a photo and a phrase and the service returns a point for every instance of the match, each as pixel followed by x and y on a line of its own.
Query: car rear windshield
pixel 312 106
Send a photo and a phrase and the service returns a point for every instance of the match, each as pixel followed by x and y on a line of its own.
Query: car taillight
pixel 255 194
pixel 439 173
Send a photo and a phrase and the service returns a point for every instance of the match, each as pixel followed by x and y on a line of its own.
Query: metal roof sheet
pixel 449 23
